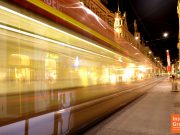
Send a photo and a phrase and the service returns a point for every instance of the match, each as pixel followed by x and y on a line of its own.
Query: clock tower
pixel 119 25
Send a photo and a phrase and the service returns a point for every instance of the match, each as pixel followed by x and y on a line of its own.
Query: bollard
pixel 174 86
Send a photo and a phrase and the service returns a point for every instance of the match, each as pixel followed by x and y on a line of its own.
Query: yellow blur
pixel 54 58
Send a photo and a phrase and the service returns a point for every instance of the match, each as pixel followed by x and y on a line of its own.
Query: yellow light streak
pixel 51 40
pixel 51 27
pixel 113 79
pixel 142 68
pixel 128 74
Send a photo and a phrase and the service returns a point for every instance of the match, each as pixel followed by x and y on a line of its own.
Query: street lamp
pixel 136 37
pixel 165 34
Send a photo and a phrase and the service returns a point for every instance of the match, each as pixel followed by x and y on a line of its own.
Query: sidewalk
pixel 148 115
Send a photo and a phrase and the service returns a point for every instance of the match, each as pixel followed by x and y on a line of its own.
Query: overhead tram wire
pixel 159 39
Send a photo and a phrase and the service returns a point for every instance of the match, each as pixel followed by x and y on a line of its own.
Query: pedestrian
pixel 173 77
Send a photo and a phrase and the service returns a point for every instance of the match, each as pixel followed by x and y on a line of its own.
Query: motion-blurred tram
pixel 36 53
pixel 59 78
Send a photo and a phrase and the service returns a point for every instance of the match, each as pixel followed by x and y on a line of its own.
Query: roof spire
pixel 118 7
pixel 135 26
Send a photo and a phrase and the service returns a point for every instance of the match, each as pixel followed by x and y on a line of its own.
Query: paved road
pixel 148 115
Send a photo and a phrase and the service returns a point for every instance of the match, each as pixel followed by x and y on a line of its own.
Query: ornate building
pixel 119 23
pixel 137 34
pixel 117 20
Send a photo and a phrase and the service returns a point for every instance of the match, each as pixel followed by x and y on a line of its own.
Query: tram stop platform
pixel 151 114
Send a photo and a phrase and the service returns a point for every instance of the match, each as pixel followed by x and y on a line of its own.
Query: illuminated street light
pixel 165 34
pixel 136 38
pixel 150 52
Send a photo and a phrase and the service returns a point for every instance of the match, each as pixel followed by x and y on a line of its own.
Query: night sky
pixel 154 17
